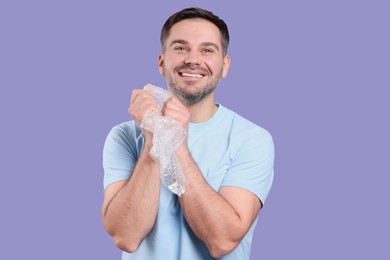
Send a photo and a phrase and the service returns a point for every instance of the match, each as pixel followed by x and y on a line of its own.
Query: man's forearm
pixel 132 212
pixel 210 216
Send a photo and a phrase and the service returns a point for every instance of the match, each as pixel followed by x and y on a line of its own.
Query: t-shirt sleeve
pixel 119 156
pixel 252 165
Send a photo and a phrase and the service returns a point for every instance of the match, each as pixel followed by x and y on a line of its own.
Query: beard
pixel 184 93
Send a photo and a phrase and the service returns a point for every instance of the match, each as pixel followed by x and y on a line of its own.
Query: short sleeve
pixel 119 154
pixel 252 164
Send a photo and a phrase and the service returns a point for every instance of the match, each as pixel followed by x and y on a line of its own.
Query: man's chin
pixel 186 97
pixel 192 98
pixel 189 101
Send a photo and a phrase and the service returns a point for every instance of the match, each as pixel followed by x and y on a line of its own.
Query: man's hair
pixel 192 13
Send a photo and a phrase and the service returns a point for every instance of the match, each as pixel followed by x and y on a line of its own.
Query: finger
pixel 142 106
pixel 175 112
pixel 176 101
pixel 174 104
pixel 134 94
pixel 140 99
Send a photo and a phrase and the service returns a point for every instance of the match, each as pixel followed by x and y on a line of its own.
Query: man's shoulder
pixel 244 125
pixel 125 126
pixel 126 130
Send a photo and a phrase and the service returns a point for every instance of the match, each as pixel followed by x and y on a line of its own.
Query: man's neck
pixel 203 111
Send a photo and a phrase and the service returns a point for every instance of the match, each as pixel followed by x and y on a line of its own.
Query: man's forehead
pixel 194 28
pixel 200 22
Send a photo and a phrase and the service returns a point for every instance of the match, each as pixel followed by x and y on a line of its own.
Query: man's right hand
pixel 142 103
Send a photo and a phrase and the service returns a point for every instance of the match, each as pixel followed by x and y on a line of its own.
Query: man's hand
pixel 141 104
pixel 174 109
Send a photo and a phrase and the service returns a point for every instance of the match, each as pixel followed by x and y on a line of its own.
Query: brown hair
pixel 192 13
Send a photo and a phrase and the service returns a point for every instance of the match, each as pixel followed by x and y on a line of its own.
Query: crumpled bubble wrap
pixel 167 137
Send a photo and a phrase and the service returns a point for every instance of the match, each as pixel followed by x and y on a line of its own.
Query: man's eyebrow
pixel 204 44
pixel 178 42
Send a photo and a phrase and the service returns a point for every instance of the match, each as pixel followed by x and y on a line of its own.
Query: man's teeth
pixel 191 75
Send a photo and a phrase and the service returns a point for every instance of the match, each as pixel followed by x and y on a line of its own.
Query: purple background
pixel 314 73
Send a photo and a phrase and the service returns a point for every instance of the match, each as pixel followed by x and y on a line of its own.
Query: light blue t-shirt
pixel 228 149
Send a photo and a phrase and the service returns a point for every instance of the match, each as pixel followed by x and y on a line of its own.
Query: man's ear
pixel 160 63
pixel 226 65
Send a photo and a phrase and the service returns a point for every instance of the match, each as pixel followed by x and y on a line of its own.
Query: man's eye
pixel 208 50
pixel 180 48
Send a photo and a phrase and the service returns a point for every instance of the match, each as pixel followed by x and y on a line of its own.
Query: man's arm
pixel 220 219
pixel 130 207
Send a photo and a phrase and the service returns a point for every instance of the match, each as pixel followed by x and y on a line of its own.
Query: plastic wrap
pixel 167 137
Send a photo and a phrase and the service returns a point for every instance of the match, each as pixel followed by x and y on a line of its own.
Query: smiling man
pixel 193 60
pixel 226 159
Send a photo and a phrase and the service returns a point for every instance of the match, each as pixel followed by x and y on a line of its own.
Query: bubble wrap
pixel 167 137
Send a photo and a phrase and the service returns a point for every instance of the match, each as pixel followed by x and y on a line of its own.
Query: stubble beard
pixel 191 98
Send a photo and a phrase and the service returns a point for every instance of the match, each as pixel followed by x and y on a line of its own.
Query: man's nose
pixel 192 58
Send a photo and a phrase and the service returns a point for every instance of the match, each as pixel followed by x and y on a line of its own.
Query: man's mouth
pixel 184 74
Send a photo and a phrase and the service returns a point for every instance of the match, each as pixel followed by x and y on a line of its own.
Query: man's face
pixel 193 62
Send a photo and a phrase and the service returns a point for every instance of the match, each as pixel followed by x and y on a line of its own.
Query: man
pixel 227 160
